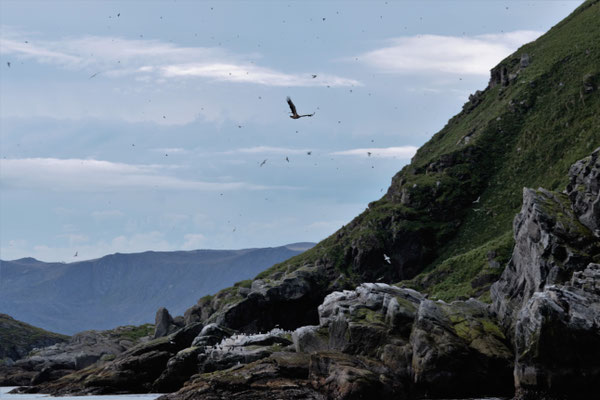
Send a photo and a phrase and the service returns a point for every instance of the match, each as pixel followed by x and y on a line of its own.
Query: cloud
pixel 148 60
pixel 382 152
pixel 265 150
pixel 193 241
pixel 97 175
pixel 465 55
pixel 248 73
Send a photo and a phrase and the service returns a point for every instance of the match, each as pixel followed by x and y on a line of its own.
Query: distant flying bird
pixel 314 76
pixel 477 201
pixel 309 152
pixel 369 153
pixel 294 112
pixel 287 159
pixel 8 63
pixel 75 255
pixel 386 258
pixel 93 75
pixel 263 163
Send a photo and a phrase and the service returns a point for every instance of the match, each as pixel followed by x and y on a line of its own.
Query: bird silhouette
pixel 386 258
pixel 477 201
pixel 93 75
pixel 8 63
pixel 287 159
pixel 294 112
pixel 309 152
pixel 263 163
pixel 75 255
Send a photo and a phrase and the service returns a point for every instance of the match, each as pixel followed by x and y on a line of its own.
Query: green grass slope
pixel 446 220
pixel 17 338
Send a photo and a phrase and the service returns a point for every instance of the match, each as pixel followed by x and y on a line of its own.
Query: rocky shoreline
pixel 535 340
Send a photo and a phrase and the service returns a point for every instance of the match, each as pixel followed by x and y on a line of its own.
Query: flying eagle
pixel 294 112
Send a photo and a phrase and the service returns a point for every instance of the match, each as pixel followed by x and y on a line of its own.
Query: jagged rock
pixel 211 334
pixel 178 370
pixel 82 350
pixel 243 349
pixel 550 244
pixel 133 371
pixel 280 376
pixel 458 350
pixel 584 190
pixel 286 303
pixel 343 377
pixel 311 338
pixel 164 323
pixel 557 338
pixel 359 321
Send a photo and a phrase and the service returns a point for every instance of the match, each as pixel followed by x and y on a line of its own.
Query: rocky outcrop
pixel 165 324
pixel 557 336
pixel 548 297
pixel 288 302
pixel 550 244
pixel 81 351
pixel 132 371
pixel 584 191
pixel 458 351
pixel 17 339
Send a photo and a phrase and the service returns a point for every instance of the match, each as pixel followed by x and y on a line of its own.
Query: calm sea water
pixel 5 396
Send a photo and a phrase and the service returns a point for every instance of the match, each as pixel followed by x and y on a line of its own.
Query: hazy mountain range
pixel 123 289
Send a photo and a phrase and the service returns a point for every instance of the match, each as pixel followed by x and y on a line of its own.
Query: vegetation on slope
pixel 17 338
pixel 446 220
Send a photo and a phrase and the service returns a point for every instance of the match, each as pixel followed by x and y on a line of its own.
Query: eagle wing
pixel 292 106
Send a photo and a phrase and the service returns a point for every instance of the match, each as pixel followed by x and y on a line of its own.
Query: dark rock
pixel 525 60
pixel 556 333
pixel 211 334
pixel 280 376
pixel 178 370
pixel 584 191
pixel 287 303
pixel 164 323
pixel 340 376
pixel 458 350
pixel 133 371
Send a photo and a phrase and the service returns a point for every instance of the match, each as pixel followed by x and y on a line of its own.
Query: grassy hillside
pixel 446 220
pixel 17 338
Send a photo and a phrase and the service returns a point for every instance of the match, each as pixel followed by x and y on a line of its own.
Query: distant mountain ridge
pixel 125 289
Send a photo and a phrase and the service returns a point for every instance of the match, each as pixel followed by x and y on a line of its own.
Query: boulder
pixel 283 375
pixel 165 324
pixel 557 340
pixel 458 350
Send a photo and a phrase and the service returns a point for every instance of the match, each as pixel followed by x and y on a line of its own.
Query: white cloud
pixel 403 152
pixel 97 175
pixel 156 60
pixel 248 73
pixel 193 241
pixel 421 54
pixel 265 150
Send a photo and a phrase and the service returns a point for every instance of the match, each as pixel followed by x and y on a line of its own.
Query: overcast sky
pixel 162 125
